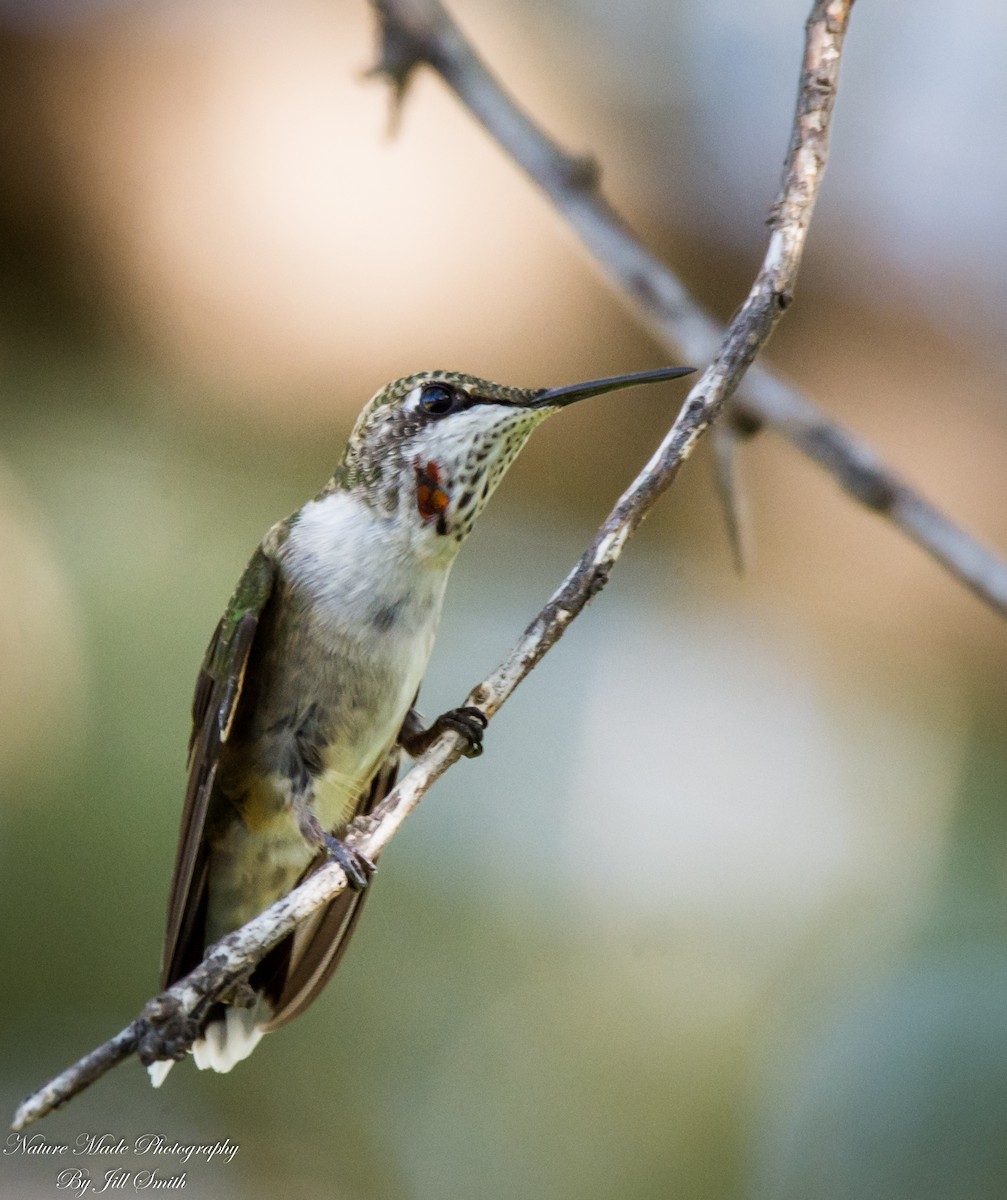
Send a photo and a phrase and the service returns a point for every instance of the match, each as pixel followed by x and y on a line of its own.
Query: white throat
pixel 358 566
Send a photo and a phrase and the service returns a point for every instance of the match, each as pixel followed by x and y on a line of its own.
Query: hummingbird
pixel 306 695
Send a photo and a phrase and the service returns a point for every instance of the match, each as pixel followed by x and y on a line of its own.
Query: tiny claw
pixel 358 867
pixel 467 721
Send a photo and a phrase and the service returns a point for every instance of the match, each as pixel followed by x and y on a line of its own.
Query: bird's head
pixel 436 445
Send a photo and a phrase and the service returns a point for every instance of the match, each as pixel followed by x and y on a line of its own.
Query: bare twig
pixel 416 32
pixel 236 954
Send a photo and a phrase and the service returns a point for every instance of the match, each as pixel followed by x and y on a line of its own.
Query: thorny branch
pixel 417 32
pixel 177 1009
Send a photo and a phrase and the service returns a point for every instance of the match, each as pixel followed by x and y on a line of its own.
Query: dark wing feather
pixel 296 971
pixel 214 705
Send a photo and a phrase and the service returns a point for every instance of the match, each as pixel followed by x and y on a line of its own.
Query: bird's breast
pixel 349 640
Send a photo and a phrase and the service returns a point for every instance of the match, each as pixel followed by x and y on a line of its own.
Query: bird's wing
pixel 214 705
pixel 295 972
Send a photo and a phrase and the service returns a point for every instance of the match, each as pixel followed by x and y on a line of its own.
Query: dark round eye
pixel 438 400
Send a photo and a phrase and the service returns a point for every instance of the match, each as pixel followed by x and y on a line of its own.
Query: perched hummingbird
pixel 305 697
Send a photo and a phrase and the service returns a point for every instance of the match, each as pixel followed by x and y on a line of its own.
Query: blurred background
pixel 720 913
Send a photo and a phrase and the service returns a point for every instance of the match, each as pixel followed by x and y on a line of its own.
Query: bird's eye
pixel 438 400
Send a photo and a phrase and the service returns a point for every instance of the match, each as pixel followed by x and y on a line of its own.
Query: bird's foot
pixel 358 867
pixel 469 722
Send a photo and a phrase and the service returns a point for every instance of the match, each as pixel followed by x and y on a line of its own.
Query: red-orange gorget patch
pixel 431 499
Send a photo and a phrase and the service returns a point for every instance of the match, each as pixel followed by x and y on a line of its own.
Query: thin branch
pixel 168 1019
pixel 416 32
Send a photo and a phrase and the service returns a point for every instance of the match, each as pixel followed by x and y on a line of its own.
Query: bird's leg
pixel 415 737
pixel 358 867
pixel 301 765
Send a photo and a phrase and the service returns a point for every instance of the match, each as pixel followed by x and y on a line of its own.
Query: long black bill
pixel 557 397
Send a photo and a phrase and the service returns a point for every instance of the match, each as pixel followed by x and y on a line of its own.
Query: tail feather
pixel 158 1071
pixel 224 1042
